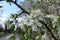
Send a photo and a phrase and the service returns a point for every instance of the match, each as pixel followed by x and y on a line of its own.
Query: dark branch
pixel 48 29
pixel 20 7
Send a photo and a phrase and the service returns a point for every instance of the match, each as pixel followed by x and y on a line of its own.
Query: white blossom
pixel 34 28
pixel 44 37
pixel 49 16
pixel 36 12
pixel 10 19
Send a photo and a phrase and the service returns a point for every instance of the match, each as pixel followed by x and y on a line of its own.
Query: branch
pixel 20 7
pixel 48 29
pixel 39 20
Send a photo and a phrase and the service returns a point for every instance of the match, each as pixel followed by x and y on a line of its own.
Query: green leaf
pixel 12 27
pixel 59 18
pixel 8 0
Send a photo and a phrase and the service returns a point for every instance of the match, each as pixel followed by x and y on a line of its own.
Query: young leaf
pixel 8 0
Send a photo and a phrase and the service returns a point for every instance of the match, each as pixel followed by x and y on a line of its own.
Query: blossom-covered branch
pixel 39 20
pixel 48 29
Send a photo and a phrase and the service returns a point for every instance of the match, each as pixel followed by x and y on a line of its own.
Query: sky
pixel 8 9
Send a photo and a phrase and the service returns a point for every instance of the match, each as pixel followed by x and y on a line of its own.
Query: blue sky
pixel 8 9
